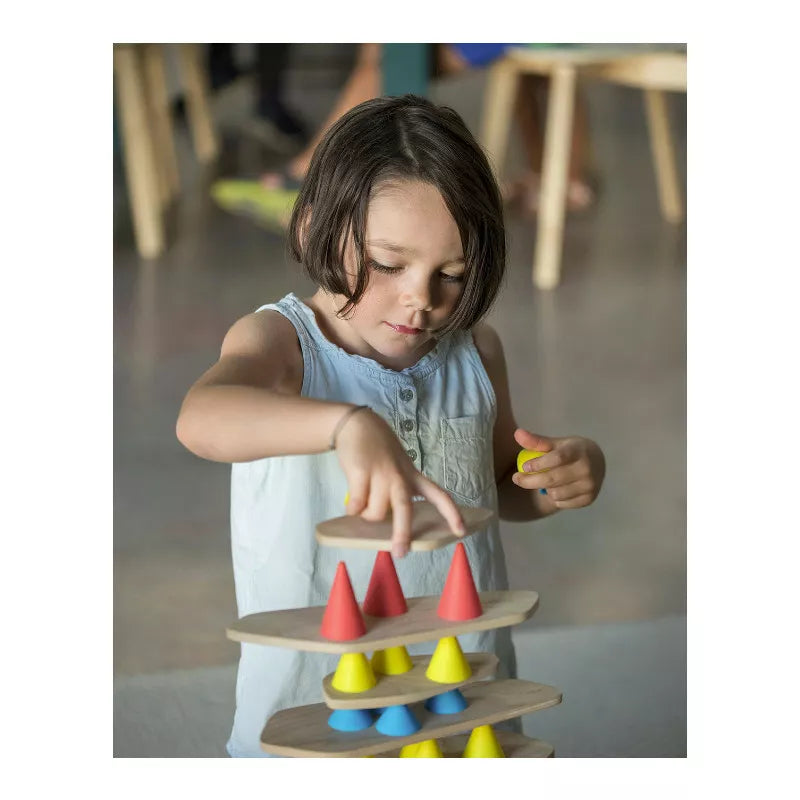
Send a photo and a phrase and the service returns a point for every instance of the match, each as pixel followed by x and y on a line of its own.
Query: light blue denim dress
pixel 443 411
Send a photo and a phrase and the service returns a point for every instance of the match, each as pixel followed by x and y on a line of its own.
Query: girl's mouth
pixel 404 329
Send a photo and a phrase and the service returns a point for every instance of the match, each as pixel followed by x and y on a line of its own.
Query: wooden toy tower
pixel 395 704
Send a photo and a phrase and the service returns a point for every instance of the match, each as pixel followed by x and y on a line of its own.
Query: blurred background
pixel 601 353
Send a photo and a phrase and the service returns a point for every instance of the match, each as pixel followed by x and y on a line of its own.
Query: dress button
pixel 408 424
pixel 406 395
pixel 412 454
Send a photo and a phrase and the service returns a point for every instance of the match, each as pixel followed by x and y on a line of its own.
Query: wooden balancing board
pixel 429 531
pixel 303 732
pixel 298 628
pixel 306 731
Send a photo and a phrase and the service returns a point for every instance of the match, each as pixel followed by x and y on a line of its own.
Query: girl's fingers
pixel 377 504
pixel 401 521
pixel 570 491
pixel 358 489
pixel 444 504
pixel 575 502
pixel 561 476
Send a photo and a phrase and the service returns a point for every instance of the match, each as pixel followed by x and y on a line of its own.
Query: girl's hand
pixel 381 476
pixel 575 468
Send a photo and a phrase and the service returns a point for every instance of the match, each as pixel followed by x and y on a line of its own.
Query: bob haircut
pixel 389 140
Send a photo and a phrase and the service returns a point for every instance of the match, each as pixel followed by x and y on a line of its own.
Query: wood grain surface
pixel 429 530
pixel 395 690
pixel 303 731
pixel 298 628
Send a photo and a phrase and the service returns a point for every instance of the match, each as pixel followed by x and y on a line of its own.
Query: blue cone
pixel 447 703
pixel 350 719
pixel 397 721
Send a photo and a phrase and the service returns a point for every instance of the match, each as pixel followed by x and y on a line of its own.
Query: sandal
pixel 270 208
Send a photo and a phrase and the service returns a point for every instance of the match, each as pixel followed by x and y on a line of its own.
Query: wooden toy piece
pixel 342 620
pixel 391 661
pixel 459 599
pixel 429 530
pixel 448 664
pixel 482 743
pixel 446 703
pixel 304 732
pixel 408 751
pixel 428 749
pixel 353 674
pixel 384 596
pixel 348 720
pixel 392 690
pixel 527 455
pixel 299 628
pixel 397 721
pixel 514 745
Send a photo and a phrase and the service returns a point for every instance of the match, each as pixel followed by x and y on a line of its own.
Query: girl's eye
pixel 451 278
pixel 382 267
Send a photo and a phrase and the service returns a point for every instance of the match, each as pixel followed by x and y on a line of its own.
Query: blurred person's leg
pixel 274 123
pixel 363 84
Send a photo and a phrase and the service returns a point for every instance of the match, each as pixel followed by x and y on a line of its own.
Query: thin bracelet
pixel 340 424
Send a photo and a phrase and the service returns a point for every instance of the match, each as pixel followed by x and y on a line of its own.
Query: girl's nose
pixel 418 295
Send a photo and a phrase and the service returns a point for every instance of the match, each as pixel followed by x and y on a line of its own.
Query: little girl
pixel 383 383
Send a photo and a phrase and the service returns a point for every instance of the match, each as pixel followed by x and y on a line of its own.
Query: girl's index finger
pixel 532 461
pixel 444 505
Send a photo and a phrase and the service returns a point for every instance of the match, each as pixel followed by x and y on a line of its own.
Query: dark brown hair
pixel 396 139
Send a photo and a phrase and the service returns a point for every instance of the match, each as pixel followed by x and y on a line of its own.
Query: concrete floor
pixel 604 356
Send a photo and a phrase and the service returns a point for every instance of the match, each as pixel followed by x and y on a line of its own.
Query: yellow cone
pixel 447 664
pixel 482 743
pixel 391 661
pixel 353 674
pixel 428 749
pixel 409 751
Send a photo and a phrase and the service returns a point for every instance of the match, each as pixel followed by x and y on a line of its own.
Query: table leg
pixel 138 152
pixel 498 110
pixel 196 88
pixel 663 155
pixel 555 168
pixel 161 119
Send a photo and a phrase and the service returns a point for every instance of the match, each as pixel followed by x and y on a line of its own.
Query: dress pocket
pixel 467 456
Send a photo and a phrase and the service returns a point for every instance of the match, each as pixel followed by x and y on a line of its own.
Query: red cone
pixel 342 620
pixel 460 599
pixel 384 595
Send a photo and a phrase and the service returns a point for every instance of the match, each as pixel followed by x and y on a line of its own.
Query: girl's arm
pixel 515 504
pixel 248 406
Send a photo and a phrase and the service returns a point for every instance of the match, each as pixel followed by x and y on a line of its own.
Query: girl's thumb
pixel 533 441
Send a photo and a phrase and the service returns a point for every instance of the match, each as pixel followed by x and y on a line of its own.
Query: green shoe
pixel 271 208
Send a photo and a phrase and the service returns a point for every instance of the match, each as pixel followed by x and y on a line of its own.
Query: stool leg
pixel 555 168
pixel 161 119
pixel 498 108
pixel 196 88
pixel 663 155
pixel 138 153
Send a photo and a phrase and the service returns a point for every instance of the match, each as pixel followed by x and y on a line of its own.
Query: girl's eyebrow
pixel 398 248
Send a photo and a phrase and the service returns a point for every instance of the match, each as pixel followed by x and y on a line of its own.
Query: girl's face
pixel 416 268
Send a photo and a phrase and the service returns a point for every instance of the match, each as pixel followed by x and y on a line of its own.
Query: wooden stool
pixel 151 166
pixel 654 72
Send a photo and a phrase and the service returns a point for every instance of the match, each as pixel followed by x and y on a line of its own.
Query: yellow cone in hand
pixel 447 664
pixel 391 661
pixel 353 674
pixel 428 749
pixel 482 743
pixel 409 751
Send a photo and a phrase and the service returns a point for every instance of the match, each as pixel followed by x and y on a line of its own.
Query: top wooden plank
pixel 429 530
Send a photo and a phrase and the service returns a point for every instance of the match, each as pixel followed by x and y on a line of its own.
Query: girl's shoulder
pixel 267 341
pixel 487 343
